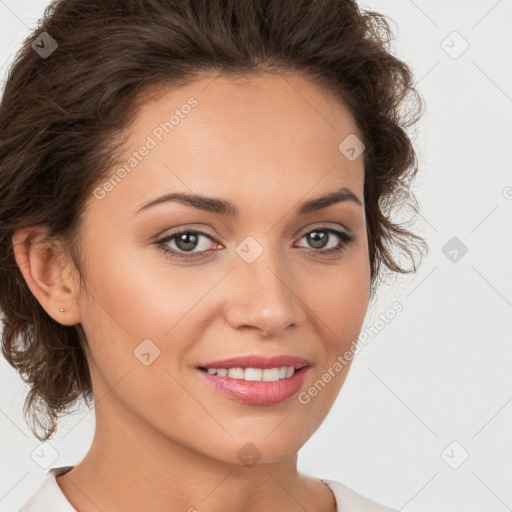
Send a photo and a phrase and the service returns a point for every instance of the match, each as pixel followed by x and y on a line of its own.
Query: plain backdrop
pixel 424 419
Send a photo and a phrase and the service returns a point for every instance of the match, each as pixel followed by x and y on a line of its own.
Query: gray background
pixel 434 385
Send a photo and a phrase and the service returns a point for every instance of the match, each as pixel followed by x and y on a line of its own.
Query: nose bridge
pixel 263 296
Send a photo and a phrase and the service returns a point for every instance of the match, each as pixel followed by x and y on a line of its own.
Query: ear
pixel 49 272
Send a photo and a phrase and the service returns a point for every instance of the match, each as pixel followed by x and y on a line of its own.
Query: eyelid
pixel 324 225
pixel 184 229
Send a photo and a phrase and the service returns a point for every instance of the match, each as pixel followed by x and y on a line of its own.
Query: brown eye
pixel 185 242
pixel 319 238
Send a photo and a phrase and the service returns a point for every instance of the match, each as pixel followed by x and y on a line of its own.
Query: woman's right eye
pixel 183 240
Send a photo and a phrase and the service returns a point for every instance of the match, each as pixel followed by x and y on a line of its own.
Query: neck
pixel 131 466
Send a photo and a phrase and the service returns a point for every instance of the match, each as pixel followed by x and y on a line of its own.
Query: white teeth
pixel 236 373
pixel 255 374
pixel 271 374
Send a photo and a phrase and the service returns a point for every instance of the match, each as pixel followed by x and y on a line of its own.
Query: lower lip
pixel 258 392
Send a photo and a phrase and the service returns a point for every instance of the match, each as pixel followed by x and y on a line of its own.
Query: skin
pixel 165 439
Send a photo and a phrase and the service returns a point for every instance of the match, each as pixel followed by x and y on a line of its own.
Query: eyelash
pixel 346 240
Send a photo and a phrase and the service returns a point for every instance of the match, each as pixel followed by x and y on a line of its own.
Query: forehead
pixel 248 138
pixel 266 103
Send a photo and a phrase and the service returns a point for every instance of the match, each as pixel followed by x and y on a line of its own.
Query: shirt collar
pixel 49 496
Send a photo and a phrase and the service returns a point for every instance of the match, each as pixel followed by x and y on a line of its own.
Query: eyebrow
pixel 222 207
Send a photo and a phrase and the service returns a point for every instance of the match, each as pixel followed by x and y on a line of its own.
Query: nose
pixel 264 295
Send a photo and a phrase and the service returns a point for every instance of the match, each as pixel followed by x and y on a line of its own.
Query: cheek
pixel 342 300
pixel 339 302
pixel 137 319
pixel 346 306
pixel 139 313
pixel 140 294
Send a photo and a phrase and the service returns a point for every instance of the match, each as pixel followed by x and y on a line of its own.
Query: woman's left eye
pixel 318 238
pixel 187 240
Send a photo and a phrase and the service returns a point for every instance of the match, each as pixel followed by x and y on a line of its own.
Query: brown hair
pixel 61 116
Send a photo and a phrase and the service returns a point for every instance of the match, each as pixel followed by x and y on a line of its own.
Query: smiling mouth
pixel 256 386
pixel 254 374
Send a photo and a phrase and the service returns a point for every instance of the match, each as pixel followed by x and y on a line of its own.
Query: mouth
pixel 265 383
pixel 254 374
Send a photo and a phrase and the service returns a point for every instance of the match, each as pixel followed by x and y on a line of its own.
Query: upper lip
pixel 255 361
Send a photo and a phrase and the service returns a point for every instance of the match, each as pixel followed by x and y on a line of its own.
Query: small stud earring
pixel 62 310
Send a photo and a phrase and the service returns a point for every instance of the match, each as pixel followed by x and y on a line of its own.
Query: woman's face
pixel 266 281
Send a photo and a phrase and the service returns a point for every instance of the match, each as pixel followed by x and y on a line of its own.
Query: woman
pixel 194 218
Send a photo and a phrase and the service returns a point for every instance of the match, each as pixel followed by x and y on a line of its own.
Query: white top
pixel 50 498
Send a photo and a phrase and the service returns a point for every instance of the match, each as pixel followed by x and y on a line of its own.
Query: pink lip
pixel 255 392
pixel 255 361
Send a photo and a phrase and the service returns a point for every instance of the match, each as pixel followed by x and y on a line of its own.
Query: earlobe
pixel 46 271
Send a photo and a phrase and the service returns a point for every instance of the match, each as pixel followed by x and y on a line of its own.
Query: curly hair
pixel 61 116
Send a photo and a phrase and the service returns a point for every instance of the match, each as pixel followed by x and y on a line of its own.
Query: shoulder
pixel 348 500
pixel 48 496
